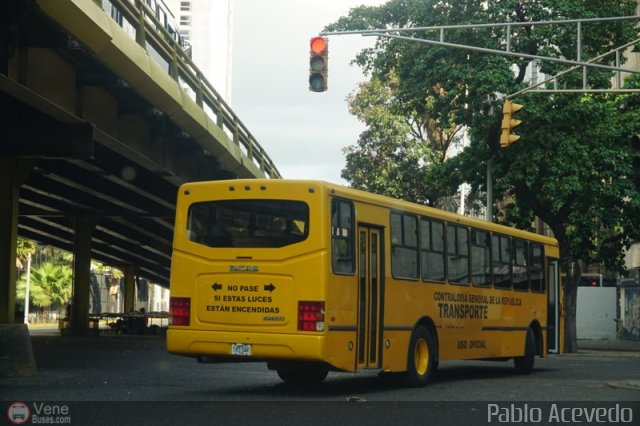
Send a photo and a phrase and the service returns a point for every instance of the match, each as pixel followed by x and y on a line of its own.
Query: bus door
pixel 553 306
pixel 370 297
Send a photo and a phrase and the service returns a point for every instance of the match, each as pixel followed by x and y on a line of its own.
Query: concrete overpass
pixel 103 115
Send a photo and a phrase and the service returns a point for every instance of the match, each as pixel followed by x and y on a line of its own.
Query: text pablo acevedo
pixel 558 413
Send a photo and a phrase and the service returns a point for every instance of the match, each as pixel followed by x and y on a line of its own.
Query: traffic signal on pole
pixel 318 63
pixel 509 123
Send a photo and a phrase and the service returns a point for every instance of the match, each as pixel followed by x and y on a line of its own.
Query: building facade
pixel 207 26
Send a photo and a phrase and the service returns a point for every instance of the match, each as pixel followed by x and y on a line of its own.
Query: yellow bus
pixel 312 277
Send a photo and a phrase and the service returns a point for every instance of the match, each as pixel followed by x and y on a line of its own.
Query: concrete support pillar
pixel 12 173
pixel 129 288
pixel 83 227
pixel 16 353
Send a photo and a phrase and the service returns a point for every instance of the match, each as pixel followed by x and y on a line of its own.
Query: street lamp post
pixel 26 291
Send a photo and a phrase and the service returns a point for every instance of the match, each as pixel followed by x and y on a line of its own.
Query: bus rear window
pixel 248 223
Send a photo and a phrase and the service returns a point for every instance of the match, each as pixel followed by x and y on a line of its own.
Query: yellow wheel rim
pixel 421 356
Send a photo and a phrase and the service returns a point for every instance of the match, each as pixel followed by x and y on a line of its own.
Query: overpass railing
pixel 152 26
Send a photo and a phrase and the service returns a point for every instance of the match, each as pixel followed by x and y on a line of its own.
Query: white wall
pixel 630 309
pixel 596 313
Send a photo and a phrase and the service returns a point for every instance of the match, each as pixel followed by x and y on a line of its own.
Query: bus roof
pixel 392 203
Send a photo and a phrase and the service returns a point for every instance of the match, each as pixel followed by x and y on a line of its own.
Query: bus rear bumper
pixel 263 346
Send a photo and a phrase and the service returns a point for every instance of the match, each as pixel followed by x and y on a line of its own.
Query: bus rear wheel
pixel 302 375
pixel 421 358
pixel 524 364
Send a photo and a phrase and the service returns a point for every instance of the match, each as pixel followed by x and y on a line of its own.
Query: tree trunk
pixel 570 287
pixel 571 276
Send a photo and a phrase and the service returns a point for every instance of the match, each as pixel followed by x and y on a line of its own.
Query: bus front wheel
pixel 524 364
pixel 421 358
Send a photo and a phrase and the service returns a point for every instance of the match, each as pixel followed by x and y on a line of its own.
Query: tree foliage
pixel 395 152
pixel 23 248
pixel 48 284
pixel 573 166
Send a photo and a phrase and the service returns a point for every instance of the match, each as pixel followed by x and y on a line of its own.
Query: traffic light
pixel 318 63
pixel 508 124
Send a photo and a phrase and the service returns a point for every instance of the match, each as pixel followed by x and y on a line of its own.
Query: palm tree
pixel 49 284
pixel 23 248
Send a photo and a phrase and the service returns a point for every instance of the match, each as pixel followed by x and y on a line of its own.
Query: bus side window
pixel 404 246
pixel 520 264
pixel 342 235
pixel 536 268
pixel 501 260
pixel 481 258
pixel 432 250
pixel 458 254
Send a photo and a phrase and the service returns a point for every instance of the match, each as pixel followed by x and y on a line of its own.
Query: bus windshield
pixel 248 223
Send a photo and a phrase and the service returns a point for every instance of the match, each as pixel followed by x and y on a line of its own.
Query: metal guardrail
pixel 167 45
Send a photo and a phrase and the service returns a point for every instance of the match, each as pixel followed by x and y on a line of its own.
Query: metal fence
pixel 152 26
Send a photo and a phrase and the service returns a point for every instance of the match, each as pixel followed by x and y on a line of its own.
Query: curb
pixel 626 384
pixel 603 353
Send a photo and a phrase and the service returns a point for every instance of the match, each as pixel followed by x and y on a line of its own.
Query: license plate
pixel 240 349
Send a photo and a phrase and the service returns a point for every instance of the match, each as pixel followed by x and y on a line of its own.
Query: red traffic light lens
pixel 318 45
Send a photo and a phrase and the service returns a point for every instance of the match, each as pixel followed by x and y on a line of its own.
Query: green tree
pixel 572 166
pixel 23 249
pixel 393 154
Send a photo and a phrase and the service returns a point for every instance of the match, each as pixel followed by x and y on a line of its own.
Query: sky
pixel 303 132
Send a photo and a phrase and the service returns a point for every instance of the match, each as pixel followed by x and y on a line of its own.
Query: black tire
pixel 302 375
pixel 524 364
pixel 421 360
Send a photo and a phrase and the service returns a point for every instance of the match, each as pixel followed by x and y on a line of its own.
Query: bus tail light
pixel 310 316
pixel 180 310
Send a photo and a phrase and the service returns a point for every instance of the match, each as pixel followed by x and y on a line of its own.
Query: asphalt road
pixel 116 379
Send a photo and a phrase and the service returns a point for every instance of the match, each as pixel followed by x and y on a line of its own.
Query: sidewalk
pixel 609 345
pixel 612 348
pixel 585 346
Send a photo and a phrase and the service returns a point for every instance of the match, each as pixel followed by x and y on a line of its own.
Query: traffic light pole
pixel 394 33
pixel 579 63
pixel 535 87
